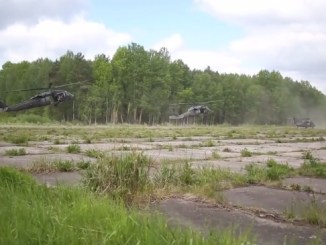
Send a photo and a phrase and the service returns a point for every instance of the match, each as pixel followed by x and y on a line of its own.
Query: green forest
pixel 146 87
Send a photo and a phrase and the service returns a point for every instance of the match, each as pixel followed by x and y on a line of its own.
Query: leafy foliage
pixel 138 86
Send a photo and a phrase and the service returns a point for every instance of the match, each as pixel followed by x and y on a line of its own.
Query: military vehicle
pixel 304 123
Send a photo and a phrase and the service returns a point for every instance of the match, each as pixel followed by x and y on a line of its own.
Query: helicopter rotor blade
pixel 22 90
pixel 47 88
pixel 196 103
pixel 69 84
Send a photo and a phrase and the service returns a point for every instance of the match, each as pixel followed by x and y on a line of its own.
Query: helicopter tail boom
pixel 3 106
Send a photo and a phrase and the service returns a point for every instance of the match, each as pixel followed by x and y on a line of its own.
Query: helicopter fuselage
pixel 52 97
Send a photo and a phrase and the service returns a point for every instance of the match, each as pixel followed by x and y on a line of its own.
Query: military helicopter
pixel 50 97
pixel 192 111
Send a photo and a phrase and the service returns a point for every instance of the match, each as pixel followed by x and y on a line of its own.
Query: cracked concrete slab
pixel 272 200
pixel 29 150
pixel 317 185
pixel 27 161
pixel 267 232
pixel 59 178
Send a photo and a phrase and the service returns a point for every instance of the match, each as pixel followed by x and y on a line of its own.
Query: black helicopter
pixel 50 97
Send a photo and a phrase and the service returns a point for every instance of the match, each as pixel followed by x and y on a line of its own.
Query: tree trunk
pixel 140 116
pixel 135 116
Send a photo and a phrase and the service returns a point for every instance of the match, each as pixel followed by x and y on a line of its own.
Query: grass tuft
pixel 42 165
pixel 73 148
pixel 246 153
pixel 16 152
pixel 95 153
pixel 273 171
pixel 120 177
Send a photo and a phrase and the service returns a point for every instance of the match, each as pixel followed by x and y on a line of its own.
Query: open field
pixel 266 179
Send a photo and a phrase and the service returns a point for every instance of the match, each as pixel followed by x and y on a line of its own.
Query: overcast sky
pixel 232 36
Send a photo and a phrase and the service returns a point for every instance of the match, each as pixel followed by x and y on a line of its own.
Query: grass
pixel 146 132
pixel 313 213
pixel 246 153
pixel 15 152
pixel 42 165
pixel 272 171
pixel 73 148
pixel 312 166
pixel 216 155
pixel 207 143
pixel 120 177
pixel 312 169
pixel 206 182
pixel 95 153
pixel 21 138
pixel 34 214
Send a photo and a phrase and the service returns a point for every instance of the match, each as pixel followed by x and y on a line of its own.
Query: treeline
pixel 141 86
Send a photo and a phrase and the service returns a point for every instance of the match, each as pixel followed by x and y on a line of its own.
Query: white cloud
pixel 172 43
pixel 31 11
pixel 52 38
pixel 218 61
pixel 261 12
pixel 288 36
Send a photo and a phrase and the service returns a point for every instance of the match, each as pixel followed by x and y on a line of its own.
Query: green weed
pixel 276 171
pixel 94 153
pixel 255 173
pixel 208 143
pixel 83 164
pixel 42 165
pixel 64 165
pixel 246 153
pixel 204 181
pixel 73 148
pixel 216 155
pixel 18 139
pixel 120 177
pixel 273 171
pixel 15 152
pixel 312 168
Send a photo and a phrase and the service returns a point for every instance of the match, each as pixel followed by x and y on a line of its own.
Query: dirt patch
pixel 205 218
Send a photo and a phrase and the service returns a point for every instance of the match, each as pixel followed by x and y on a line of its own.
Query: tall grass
pixel 34 214
pixel 312 166
pixel 272 171
pixel 119 176
pixel 207 182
